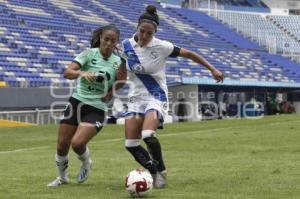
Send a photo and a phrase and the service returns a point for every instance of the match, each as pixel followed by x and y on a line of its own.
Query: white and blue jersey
pixel 146 74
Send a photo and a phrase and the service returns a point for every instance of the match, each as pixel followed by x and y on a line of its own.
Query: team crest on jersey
pixel 154 54
pixel 137 68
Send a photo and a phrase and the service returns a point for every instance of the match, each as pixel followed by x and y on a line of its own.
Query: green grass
pixel 225 159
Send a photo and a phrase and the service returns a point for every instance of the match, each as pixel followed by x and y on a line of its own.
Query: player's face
pixel 109 40
pixel 145 33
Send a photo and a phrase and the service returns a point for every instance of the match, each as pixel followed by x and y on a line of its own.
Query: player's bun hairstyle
pixel 150 16
pixel 95 41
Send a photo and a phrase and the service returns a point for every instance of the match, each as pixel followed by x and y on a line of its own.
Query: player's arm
pixel 120 81
pixel 218 75
pixel 73 72
pixel 121 76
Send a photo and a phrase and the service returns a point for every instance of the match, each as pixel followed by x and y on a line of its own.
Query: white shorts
pixel 142 106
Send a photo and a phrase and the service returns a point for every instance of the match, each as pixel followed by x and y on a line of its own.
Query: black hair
pixel 95 41
pixel 150 15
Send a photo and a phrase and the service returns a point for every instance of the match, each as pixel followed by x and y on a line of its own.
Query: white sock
pixel 62 166
pixel 85 158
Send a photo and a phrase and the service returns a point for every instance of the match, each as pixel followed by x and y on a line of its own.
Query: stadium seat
pixel 39 38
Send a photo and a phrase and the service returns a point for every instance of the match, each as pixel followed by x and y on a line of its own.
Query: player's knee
pixel 62 146
pixel 148 134
pixel 78 146
pixel 149 138
pixel 131 143
pixel 61 150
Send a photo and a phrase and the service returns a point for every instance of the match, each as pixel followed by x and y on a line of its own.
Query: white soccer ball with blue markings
pixel 139 182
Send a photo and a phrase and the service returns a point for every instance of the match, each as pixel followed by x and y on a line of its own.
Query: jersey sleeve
pixel 170 49
pixel 83 57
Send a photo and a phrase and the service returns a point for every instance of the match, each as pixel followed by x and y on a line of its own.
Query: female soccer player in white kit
pixel 148 102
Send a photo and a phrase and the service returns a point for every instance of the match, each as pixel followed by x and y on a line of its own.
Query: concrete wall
pixel 31 98
pixel 296 98
pixel 280 12
pixel 190 94
pixel 297 107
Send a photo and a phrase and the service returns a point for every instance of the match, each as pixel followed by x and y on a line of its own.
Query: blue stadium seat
pixel 46 39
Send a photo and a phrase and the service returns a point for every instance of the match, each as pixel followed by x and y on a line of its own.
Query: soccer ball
pixel 139 182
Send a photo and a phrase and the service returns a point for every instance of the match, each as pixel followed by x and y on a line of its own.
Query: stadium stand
pixel 239 57
pixel 247 3
pixel 289 24
pixel 38 39
pixel 243 5
pixel 261 29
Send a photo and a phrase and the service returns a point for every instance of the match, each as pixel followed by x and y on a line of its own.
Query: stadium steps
pixel 36 47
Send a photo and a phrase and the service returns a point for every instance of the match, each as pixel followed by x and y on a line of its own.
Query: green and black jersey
pixel 106 70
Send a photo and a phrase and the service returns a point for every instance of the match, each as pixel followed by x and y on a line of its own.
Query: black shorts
pixel 77 112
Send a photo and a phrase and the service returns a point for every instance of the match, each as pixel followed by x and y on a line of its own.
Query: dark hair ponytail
pixel 95 41
pixel 151 10
pixel 150 15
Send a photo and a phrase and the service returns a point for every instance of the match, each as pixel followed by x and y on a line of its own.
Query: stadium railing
pixel 39 117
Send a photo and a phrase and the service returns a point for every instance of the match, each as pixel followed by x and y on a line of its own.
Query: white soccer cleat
pixel 57 182
pixel 160 179
pixel 84 171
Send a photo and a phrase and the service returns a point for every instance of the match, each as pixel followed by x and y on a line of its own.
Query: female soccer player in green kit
pixel 96 69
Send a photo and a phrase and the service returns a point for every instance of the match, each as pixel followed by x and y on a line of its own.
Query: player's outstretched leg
pixel 62 170
pixel 154 148
pixel 141 155
pixel 86 166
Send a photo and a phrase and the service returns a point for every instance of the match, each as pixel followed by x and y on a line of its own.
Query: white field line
pixel 24 149
pixel 161 135
pixel 115 140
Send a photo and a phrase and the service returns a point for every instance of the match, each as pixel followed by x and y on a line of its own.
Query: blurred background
pixel 256 43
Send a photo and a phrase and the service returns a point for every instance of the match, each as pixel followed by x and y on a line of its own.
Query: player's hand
pixel 88 76
pixel 108 97
pixel 218 75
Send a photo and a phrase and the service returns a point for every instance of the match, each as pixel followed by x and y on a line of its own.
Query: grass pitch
pixel 224 159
